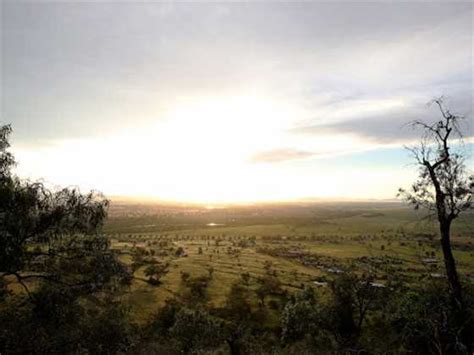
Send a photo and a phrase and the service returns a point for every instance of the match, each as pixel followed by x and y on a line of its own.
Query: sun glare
pixel 203 150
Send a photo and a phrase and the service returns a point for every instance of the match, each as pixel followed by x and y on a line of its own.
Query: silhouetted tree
pixel 51 244
pixel 444 186
pixel 353 299
pixel 52 236
pixel 6 158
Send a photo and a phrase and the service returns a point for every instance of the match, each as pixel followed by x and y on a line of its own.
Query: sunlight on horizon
pixel 204 151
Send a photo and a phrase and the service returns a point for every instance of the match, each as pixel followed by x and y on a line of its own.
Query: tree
pixel 245 276
pixel 180 252
pixel 51 244
pixel 237 303
pixel 424 320
pixel 269 285
pixel 353 299
pixel 210 272
pixel 196 330
pixel 6 158
pixel 195 289
pixel 52 236
pixel 300 317
pixel 155 272
pixel 444 186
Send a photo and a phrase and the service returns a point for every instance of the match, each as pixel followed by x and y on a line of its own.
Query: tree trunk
pixel 450 264
pixel 233 346
pixel 466 330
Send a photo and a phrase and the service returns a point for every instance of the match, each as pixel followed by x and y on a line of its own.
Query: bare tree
pixel 444 186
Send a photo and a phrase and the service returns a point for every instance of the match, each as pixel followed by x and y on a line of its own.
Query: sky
pixel 230 101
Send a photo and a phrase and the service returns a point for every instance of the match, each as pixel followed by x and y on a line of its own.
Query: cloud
pixel 79 81
pixel 390 125
pixel 280 155
pixel 386 129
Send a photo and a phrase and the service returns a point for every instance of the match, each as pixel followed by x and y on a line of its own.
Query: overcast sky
pixel 229 101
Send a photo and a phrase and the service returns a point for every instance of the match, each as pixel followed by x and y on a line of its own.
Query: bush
pixel 427 321
pixel 196 330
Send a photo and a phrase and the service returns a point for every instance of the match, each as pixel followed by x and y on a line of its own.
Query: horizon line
pixel 157 200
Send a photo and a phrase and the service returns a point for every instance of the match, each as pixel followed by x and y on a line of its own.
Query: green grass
pixel 145 299
pixel 337 235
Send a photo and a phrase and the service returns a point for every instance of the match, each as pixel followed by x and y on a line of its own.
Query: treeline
pixel 350 316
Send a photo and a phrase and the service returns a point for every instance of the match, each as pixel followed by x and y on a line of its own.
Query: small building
pixel 334 270
pixel 320 283
pixel 377 285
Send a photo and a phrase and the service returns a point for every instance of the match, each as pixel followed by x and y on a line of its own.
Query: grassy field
pixel 298 244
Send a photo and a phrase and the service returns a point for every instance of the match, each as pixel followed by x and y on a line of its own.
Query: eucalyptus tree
pixel 51 245
pixel 444 185
pixel 51 236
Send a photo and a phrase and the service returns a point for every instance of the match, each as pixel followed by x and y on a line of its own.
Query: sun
pixel 209 141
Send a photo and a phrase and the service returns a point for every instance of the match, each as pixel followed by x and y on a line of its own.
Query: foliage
pixel 195 290
pixel 238 304
pixel 56 321
pixel 186 330
pixel 155 272
pixel 426 321
pixel 7 161
pixel 353 298
pixel 180 252
pixel 269 285
pixel 444 186
pixel 195 329
pixel 300 317
pixel 51 245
